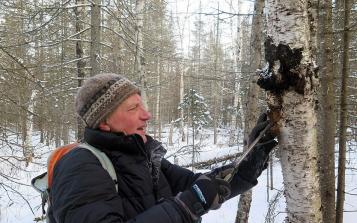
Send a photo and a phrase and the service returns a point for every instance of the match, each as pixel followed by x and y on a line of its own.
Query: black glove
pixel 220 172
pixel 204 195
pixel 238 184
pixel 257 160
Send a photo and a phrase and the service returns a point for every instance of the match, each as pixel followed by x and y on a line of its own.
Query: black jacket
pixel 82 191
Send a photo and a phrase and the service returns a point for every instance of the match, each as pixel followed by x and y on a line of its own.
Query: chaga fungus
pixel 288 73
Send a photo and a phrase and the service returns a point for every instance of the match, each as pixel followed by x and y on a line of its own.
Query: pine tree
pixel 196 114
pixel 195 110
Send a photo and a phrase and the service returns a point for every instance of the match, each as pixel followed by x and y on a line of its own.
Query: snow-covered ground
pixel 17 209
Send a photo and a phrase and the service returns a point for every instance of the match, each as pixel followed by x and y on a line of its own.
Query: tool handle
pixel 236 163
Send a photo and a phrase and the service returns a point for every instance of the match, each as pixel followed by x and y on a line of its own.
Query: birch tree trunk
pixel 215 84
pixel 291 79
pixel 199 48
pixel 251 116
pixel 139 57
pixel 237 104
pixel 327 128
pixel 343 116
pixel 183 70
pixel 95 38
pixel 182 88
pixel 27 145
pixel 158 97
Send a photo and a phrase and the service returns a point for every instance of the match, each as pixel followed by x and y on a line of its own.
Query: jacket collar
pixel 130 144
pixel 156 150
pixel 111 141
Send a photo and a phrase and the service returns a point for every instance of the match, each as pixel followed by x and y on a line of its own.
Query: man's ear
pixel 104 126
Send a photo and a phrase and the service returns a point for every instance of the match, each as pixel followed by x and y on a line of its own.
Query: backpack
pixel 43 182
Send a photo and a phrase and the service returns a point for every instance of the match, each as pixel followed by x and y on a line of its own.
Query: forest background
pixel 198 64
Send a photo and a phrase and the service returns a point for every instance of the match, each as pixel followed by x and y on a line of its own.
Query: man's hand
pixel 221 172
pixel 256 161
pixel 205 194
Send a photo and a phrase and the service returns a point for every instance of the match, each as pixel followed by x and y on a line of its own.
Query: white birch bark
pixel 158 96
pixel 27 145
pixel 182 88
pixel 181 29
pixel 233 138
pixel 139 57
pixel 170 142
pixel 215 85
pixel 298 154
pixel 291 79
pixel 237 105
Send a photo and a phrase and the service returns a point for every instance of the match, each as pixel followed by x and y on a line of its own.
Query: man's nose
pixel 145 115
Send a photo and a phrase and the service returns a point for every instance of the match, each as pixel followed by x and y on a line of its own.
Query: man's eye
pixel 132 108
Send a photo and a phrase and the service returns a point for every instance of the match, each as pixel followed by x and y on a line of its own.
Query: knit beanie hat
pixel 100 95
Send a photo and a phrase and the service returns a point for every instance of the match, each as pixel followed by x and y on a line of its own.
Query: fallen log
pixel 208 163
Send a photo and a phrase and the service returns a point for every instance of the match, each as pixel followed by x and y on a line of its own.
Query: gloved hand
pixel 256 161
pixel 205 194
pixel 221 172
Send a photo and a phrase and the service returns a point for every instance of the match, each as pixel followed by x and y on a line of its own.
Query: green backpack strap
pixel 104 160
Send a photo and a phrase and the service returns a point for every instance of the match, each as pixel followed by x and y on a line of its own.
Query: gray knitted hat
pixel 100 95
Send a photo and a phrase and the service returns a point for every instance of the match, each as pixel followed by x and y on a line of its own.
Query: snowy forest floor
pixel 16 199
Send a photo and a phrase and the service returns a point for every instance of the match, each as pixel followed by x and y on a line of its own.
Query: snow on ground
pixel 18 210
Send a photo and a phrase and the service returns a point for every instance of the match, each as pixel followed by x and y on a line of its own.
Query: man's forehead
pixel 133 99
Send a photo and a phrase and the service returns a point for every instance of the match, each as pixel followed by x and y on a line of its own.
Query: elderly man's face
pixel 129 117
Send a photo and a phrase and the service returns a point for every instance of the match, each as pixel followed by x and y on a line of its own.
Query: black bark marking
pixel 289 73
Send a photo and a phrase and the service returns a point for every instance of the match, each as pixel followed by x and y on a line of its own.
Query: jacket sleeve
pixel 239 185
pixel 82 191
pixel 178 177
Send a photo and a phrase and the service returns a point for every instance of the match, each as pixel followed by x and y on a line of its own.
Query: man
pixel 150 188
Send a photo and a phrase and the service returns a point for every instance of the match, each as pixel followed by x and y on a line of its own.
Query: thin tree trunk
pixel 268 185
pixel 40 55
pixel 271 163
pixel 139 57
pixel 193 135
pixel 251 101
pixel 237 105
pixel 199 71
pixel 171 132
pixel 79 13
pixel 215 85
pixel 182 71
pixel 158 97
pixel 327 126
pixel 28 147
pixel 244 204
pixel 343 117
pixel 182 130
pixel 95 37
